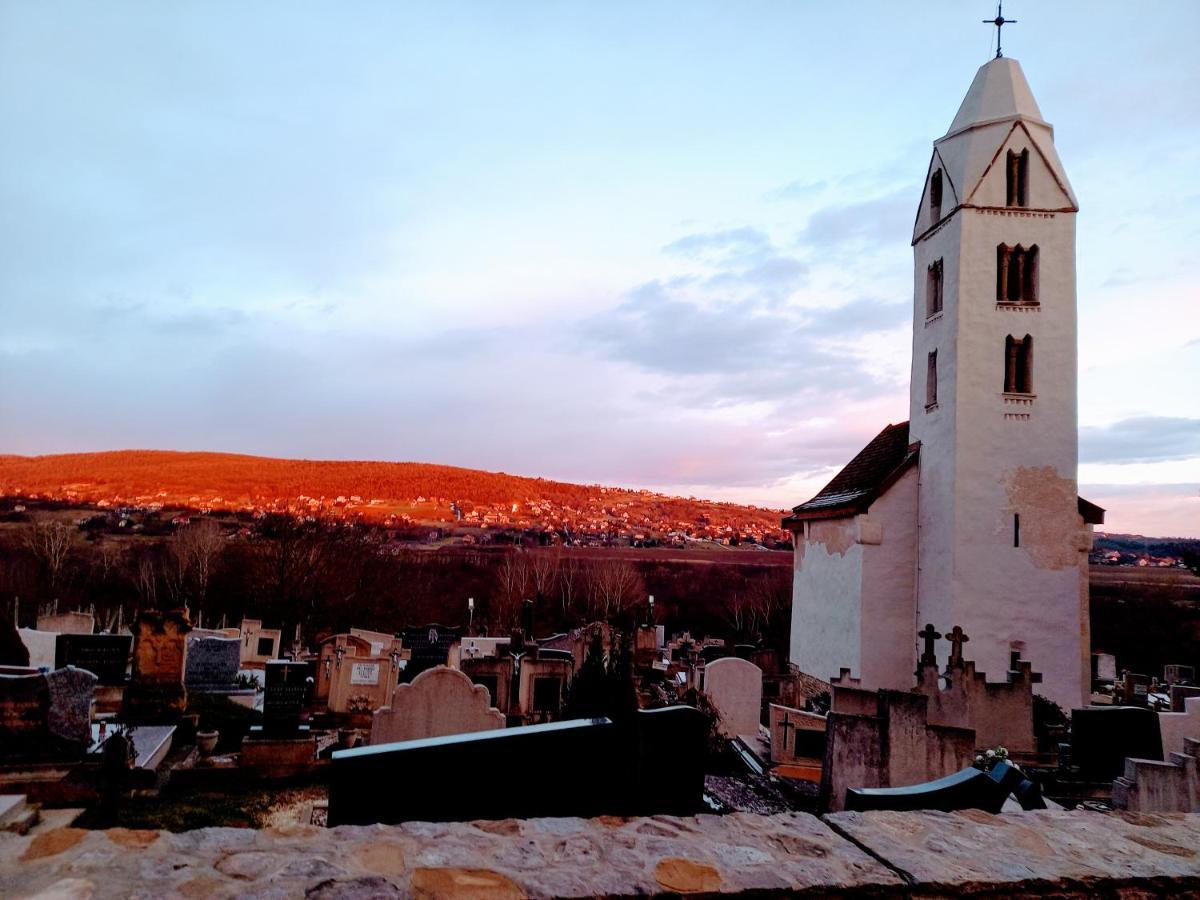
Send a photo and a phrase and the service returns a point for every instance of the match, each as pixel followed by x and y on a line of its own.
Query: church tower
pixel 1002 537
pixel 967 514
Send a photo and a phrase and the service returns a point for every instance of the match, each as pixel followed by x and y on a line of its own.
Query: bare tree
pixel 51 543
pixel 738 611
pixel 613 585
pixel 513 581
pixel 145 581
pixel 195 551
pixel 543 572
pixel 570 582
pixel 768 594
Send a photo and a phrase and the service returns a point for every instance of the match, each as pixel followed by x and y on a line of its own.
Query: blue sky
pixel 659 244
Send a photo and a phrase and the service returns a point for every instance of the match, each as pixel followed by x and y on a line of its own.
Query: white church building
pixel 968 514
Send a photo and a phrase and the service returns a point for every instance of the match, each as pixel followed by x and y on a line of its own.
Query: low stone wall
pixel 1066 854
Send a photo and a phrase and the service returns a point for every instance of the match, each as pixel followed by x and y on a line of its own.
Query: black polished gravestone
pixel 578 767
pixel 104 655
pixel 1103 736
pixel 428 646
pixel 968 789
pixel 285 693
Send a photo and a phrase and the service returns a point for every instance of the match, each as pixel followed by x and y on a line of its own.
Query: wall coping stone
pixel 850 854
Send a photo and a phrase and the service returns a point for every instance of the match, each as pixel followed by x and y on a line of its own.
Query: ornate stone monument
pixel 156 692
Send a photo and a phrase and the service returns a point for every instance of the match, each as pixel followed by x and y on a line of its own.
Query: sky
pixel 659 245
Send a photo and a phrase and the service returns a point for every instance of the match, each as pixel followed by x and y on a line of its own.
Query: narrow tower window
pixel 1016 274
pixel 1018 177
pixel 933 289
pixel 1017 540
pixel 935 195
pixel 931 381
pixel 1018 365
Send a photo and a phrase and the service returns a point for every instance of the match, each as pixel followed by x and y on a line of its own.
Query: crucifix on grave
pixel 957 638
pixel 929 634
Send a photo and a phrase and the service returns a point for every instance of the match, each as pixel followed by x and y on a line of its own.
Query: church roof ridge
pixel 998 93
pixel 862 479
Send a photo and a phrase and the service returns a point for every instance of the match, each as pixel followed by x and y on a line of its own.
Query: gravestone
pixel 212 663
pixel 1104 667
pixel 156 693
pixel 1175 673
pixel 796 736
pixel 71 695
pixel 13 651
pixel 42 647
pixel 1179 695
pixel 437 702
pixel 735 688
pixel 429 646
pixel 1135 689
pixel 713 652
pixel 1103 736
pixel 67 623
pixel 285 694
pixel 46 715
pixel 104 655
pixel 580 767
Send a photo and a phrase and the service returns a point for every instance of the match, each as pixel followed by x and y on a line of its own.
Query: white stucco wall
pixel 827 599
pixel 889 629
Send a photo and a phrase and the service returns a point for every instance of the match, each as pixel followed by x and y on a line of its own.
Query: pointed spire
pixel 998 93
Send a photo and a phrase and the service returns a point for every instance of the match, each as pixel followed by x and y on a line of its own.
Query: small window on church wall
pixel 935 195
pixel 1018 177
pixel 1016 274
pixel 933 289
pixel 1018 365
pixel 931 381
pixel 1016 543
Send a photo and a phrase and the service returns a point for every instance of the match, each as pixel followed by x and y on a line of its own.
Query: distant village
pixel 610 518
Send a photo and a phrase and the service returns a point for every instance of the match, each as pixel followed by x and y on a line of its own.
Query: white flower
pixel 979 759
pixel 991 754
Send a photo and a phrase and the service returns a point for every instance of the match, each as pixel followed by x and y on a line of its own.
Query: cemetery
pixel 513 765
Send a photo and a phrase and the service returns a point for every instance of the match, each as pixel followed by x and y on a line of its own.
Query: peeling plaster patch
pixel 1048 506
pixel 836 536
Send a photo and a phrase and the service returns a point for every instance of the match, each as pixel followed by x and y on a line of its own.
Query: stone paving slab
pixel 791 853
pixel 1033 853
pixel 925 854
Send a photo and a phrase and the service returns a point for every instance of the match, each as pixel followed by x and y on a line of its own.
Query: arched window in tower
pixel 931 381
pixel 935 195
pixel 1016 274
pixel 933 289
pixel 1018 365
pixel 1017 169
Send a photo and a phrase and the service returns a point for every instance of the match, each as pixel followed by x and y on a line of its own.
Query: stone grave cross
pixel 957 638
pixel 929 634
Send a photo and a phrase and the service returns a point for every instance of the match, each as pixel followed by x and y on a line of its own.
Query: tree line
pixel 326 576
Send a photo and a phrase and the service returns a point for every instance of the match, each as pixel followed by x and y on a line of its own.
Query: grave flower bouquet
pixel 988 759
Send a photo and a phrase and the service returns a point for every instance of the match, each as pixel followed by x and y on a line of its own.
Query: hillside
pixel 374 491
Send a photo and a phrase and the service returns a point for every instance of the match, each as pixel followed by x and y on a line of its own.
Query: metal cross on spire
pixel 999 22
